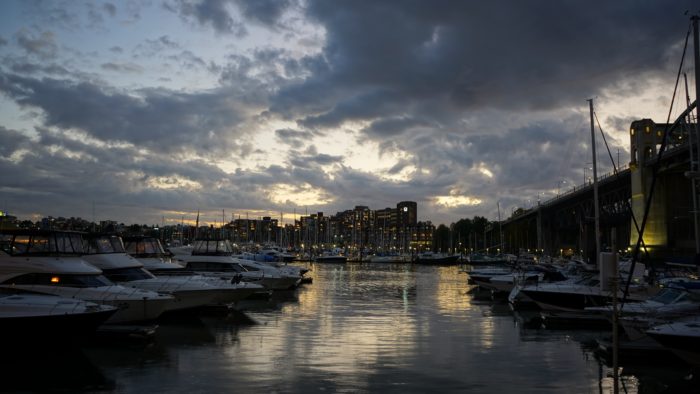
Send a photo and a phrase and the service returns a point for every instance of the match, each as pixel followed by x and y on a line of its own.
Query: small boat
pixel 681 337
pixel 674 301
pixel 329 257
pixel 214 258
pixel 48 317
pixel 107 253
pixel 567 301
pixel 485 259
pixel 387 258
pixel 436 258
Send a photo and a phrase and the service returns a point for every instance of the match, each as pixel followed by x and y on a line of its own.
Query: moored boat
pixel 436 258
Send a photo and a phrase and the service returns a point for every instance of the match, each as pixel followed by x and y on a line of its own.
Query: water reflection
pixel 38 367
pixel 362 328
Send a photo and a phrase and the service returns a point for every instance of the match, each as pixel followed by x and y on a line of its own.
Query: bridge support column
pixel 645 136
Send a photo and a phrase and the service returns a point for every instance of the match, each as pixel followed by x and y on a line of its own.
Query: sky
pixel 149 111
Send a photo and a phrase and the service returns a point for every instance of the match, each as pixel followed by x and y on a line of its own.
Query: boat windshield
pixel 105 244
pixel 44 244
pixel 64 280
pixel 588 281
pixel 127 274
pixel 145 247
pixel 212 247
pixel 668 295
pixel 212 266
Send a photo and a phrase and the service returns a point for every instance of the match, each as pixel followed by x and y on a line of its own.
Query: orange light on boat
pixel 55 279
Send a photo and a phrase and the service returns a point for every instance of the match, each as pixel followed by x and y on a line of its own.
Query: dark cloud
pixel 122 67
pixel 208 12
pixel 190 61
pixel 294 138
pixel 264 11
pixel 11 141
pixel 389 127
pixel 43 44
pixel 116 49
pixel 110 8
pixel 3 41
pixel 467 57
pixel 322 159
pixel 157 119
pixel 34 69
pixel 153 47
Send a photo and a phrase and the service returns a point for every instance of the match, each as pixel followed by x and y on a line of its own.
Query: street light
pixel 559 183
pixel 586 168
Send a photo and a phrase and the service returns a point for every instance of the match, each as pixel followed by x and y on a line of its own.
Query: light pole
pixel 559 183
pixel 586 178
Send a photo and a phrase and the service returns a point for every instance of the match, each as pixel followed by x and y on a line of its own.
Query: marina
pixel 252 175
pixel 358 328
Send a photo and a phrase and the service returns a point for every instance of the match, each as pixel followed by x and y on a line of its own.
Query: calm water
pixel 357 328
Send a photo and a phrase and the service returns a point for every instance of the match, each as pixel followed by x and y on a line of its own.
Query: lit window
pixel 631 131
pixel 55 279
pixel 647 129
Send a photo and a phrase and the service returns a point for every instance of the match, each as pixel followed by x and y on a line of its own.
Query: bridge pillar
pixel 645 137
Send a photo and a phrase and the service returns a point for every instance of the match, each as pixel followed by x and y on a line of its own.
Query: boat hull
pixel 437 260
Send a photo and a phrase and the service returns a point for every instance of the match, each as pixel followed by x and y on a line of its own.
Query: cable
pixel 655 171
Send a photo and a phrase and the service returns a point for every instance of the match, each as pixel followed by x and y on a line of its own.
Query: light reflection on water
pixel 359 328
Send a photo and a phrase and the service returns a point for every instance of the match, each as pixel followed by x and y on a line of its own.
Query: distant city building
pixel 361 227
pixel 7 221
pixel 406 214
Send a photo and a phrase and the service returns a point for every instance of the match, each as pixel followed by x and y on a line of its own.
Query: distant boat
pixel 480 258
pixel 388 258
pixel 436 258
pixel 330 257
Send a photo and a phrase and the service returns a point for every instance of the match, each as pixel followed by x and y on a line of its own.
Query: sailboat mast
pixel 696 53
pixel 596 207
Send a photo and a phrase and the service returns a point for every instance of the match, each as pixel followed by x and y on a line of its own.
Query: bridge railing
pixel 578 188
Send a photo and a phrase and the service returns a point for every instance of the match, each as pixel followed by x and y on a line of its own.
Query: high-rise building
pixel 406 214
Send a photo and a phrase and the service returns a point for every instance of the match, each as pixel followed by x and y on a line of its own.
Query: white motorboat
pixel 576 296
pixel 47 317
pixel 506 283
pixel 672 302
pixel 271 253
pixel 214 258
pixel 107 253
pixel 49 262
pixel 681 337
pixel 149 252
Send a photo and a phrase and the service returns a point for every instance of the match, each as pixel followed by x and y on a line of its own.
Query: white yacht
pixel 107 253
pixel 674 301
pixel 271 253
pixel 149 252
pixel 576 296
pixel 49 262
pixel 214 258
pixel 47 317
pixel 681 337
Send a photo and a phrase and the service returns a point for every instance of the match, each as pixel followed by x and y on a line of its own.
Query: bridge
pixel 566 224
